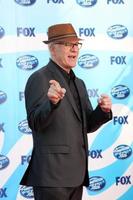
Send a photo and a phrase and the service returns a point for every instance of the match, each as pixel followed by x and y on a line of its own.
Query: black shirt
pixel 70 79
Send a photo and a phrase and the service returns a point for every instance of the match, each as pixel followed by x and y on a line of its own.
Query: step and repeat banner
pixel 105 64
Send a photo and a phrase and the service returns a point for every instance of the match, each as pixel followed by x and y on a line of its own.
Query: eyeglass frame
pixel 69 44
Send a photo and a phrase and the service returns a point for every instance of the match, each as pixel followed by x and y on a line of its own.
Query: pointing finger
pixel 54 82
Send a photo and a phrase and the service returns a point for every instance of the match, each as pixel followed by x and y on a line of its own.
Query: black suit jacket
pixel 60 147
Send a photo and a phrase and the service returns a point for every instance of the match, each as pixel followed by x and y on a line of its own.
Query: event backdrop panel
pixel 105 65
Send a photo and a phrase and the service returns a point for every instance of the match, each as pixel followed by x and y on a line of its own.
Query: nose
pixel 74 47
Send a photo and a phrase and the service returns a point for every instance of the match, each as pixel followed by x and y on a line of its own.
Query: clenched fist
pixel 105 103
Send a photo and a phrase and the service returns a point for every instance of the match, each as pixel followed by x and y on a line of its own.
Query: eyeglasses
pixel 70 45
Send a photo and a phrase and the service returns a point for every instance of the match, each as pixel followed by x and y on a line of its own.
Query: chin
pixel 72 65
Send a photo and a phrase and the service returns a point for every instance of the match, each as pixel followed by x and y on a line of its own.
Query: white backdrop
pixel 105 64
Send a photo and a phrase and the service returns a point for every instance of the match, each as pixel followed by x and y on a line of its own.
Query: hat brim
pixel 61 38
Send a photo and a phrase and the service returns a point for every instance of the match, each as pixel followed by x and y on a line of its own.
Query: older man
pixel 60 116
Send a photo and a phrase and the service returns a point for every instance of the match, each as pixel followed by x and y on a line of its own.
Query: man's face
pixel 65 53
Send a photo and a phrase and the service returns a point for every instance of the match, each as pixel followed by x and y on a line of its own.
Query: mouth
pixel 72 57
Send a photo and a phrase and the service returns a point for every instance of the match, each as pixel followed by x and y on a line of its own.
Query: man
pixel 60 116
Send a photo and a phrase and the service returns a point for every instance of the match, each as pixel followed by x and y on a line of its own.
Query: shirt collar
pixel 70 76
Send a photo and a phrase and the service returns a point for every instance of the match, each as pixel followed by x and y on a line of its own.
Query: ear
pixel 52 50
pixel 51 47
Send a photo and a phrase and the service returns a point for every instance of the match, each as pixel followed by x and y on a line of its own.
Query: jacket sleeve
pixel 38 106
pixel 95 117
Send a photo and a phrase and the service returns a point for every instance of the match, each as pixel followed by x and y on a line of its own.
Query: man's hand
pixel 105 103
pixel 55 92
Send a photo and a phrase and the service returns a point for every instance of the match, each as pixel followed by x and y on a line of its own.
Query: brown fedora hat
pixel 60 31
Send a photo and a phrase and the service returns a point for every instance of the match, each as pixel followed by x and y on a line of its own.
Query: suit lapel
pixel 81 96
pixel 59 77
pixel 80 92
